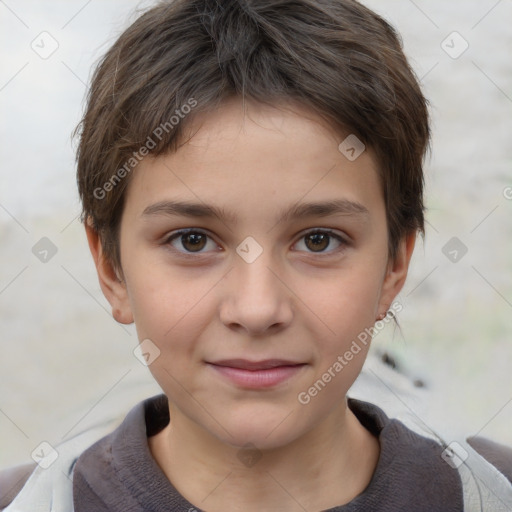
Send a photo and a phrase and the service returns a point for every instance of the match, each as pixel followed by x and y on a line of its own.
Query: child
pixel 252 187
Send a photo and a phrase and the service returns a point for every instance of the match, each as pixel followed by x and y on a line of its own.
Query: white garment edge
pixel 51 489
pixel 485 488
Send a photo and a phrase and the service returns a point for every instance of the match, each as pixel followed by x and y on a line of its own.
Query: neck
pixel 328 466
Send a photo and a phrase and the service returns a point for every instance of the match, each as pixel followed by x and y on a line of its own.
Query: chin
pixel 262 429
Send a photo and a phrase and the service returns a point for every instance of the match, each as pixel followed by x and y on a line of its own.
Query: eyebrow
pixel 297 211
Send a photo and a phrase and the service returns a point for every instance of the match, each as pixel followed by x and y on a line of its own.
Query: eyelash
pixel 343 242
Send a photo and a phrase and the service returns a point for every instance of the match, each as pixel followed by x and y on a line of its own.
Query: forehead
pixel 249 159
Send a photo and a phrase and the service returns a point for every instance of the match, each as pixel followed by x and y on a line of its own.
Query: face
pixel 252 258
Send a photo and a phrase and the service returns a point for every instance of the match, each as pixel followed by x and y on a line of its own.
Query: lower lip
pixel 258 379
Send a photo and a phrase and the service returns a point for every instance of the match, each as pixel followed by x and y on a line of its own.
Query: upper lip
pixel 244 364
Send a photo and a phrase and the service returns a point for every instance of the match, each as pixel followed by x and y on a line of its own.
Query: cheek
pixel 169 306
pixel 346 303
pixel 346 315
pixel 172 312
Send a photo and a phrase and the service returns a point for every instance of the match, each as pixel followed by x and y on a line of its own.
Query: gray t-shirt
pixel 118 473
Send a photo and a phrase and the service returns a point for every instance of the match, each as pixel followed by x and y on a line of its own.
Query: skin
pixel 296 301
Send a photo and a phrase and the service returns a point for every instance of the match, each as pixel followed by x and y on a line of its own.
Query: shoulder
pixel 499 455
pixel 413 442
pixel 12 481
pixel 107 476
pixel 410 473
pixel 416 461
pixel 49 486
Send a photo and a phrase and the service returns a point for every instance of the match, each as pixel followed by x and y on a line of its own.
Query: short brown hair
pixel 336 57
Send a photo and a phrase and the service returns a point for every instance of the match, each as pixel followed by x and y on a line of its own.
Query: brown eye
pixel 319 240
pixel 191 241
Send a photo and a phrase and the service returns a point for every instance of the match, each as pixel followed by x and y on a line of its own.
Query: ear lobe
pixel 113 288
pixel 397 272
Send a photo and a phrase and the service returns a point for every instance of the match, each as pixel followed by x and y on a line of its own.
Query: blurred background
pixel 66 363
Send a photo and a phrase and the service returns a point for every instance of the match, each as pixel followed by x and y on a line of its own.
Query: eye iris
pixel 193 241
pixel 319 240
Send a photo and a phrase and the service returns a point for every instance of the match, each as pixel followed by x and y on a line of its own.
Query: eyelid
pixel 175 234
pixel 180 232
pixel 328 231
pixel 344 240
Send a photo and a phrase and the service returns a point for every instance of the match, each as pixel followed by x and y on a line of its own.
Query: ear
pixel 396 273
pixel 112 286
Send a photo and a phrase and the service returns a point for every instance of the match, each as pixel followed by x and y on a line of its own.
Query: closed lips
pixel 244 364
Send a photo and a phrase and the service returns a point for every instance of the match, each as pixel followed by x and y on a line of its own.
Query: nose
pixel 255 297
